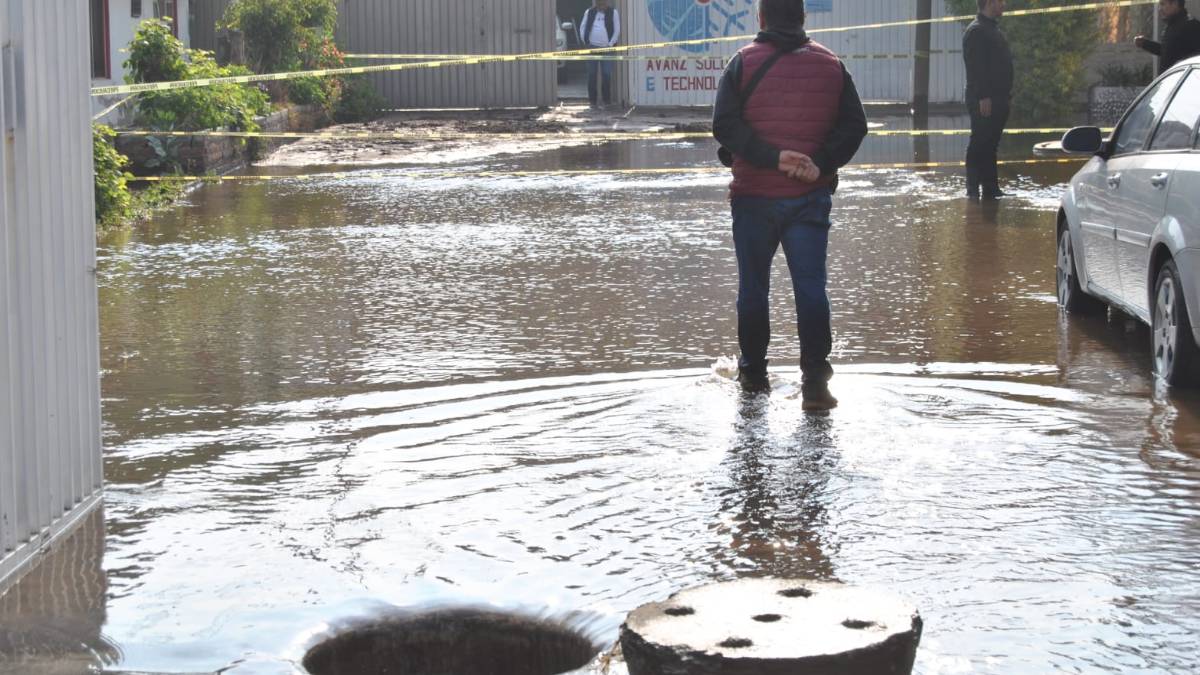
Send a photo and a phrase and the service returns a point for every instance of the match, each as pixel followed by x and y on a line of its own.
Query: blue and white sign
pixel 689 74
pixel 698 19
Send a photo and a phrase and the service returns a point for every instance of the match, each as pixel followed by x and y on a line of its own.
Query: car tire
pixel 1071 296
pixel 1173 345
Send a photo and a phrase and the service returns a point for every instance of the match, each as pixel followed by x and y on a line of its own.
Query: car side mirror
pixel 1083 140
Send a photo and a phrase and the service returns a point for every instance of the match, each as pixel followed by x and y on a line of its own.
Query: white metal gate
pixel 50 462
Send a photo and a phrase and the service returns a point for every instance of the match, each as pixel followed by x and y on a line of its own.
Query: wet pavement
pixel 323 398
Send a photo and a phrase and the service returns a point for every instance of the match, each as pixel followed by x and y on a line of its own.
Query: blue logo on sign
pixel 699 19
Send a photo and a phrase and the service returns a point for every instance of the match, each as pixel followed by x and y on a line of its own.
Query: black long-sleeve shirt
pixel 732 131
pixel 988 59
pixel 1180 39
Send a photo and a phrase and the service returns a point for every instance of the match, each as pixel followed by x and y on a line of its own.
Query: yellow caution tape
pixel 567 172
pixel 509 58
pixel 99 116
pixel 551 56
pixel 572 56
pixel 563 135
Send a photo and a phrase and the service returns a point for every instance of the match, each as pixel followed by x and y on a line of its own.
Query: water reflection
pixel 774 508
pixel 413 388
pixel 52 620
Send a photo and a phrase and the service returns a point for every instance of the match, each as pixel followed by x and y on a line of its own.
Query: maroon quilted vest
pixel 794 108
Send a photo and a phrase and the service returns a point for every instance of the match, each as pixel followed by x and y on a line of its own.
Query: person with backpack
pixel 788 117
pixel 601 27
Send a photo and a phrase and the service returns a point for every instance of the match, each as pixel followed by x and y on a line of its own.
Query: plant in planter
pixel 290 35
pixel 166 154
pixel 155 55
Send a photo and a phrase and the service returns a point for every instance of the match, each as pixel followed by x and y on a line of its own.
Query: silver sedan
pixel 1129 226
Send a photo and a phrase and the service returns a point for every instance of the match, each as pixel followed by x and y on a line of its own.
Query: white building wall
pixel 50 461
pixel 880 59
pixel 121 29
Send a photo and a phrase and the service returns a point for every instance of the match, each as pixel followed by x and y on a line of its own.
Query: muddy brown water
pixel 326 397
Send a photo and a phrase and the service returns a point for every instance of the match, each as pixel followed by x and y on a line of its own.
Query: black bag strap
pixel 723 153
pixel 760 74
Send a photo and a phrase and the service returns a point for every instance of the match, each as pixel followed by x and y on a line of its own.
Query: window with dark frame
pixel 135 8
pixel 98 10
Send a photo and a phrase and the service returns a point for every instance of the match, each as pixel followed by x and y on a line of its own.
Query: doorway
pixel 572 75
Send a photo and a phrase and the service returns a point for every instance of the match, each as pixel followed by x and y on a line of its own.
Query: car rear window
pixel 1178 123
pixel 1136 128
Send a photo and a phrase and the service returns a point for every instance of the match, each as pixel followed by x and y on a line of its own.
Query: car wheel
pixel 1175 352
pixel 1071 296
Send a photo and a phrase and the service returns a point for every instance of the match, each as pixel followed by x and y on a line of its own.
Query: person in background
pixel 1180 39
pixel 989 92
pixel 601 27
pixel 801 123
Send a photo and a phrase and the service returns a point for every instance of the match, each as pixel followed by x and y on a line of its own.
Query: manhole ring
pixel 452 642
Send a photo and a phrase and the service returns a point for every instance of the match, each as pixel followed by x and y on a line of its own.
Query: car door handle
pixel 1159 180
pixel 1114 181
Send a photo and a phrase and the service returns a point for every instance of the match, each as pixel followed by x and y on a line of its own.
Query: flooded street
pixel 323 397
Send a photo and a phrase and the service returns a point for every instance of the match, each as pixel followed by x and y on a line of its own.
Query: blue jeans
pixel 801 225
pixel 599 70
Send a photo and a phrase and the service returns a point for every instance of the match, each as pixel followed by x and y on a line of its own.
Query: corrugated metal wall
pixel 438 27
pixel 455 27
pixel 50 462
pixel 202 22
pixel 880 59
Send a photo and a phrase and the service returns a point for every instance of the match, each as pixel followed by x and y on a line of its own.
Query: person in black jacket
pixel 1180 39
pixel 989 91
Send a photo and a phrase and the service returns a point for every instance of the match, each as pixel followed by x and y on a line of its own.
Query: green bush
pixel 289 35
pixel 155 53
pixel 276 31
pixel 309 91
pixel 113 201
pixel 1048 54
pixel 359 102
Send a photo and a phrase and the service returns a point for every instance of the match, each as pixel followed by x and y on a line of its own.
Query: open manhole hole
pixel 453 642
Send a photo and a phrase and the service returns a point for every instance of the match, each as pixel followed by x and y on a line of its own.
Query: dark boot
pixel 753 381
pixel 972 183
pixel 817 397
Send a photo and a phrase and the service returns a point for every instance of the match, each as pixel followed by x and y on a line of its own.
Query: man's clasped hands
pixel 798 166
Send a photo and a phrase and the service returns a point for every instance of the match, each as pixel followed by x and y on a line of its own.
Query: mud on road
pixel 445 136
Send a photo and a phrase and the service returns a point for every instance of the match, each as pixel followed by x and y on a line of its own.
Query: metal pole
pixel 920 94
pixel 921 46
pixel 1154 11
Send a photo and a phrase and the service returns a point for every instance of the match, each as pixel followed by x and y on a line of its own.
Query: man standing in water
pixel 802 121
pixel 989 89
pixel 601 27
